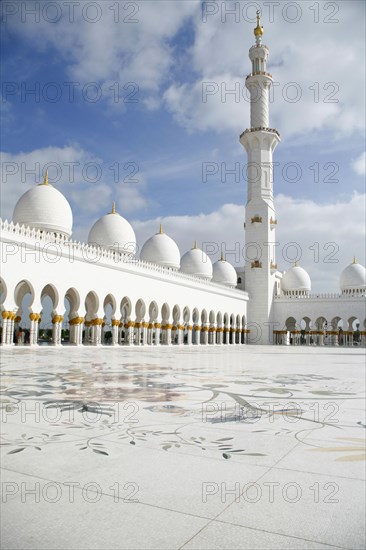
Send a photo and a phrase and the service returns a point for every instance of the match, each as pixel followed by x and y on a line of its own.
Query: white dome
pixel 296 279
pixel 353 277
pixel 224 273
pixel 44 207
pixel 196 262
pixel 161 249
pixel 113 232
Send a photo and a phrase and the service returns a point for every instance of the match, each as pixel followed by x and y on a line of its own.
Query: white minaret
pixel 259 142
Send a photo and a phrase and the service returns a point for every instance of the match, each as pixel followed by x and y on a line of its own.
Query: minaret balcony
pixel 260 128
pixel 256 264
pixel 272 223
pixel 257 219
pixel 256 73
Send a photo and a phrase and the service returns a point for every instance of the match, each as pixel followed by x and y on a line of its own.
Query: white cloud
pixel 128 41
pixel 311 60
pixel 77 173
pixel 359 164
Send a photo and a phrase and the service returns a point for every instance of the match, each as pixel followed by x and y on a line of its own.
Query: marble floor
pixel 167 448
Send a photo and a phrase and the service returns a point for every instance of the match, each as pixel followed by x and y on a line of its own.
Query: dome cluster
pixel 45 208
pixel 353 279
pixel 113 232
pixel 296 282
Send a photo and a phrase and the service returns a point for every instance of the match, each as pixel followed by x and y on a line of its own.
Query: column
pixel 197 335
pixel 180 334
pixel 56 330
pixel 204 330
pixel 129 334
pixel 167 328
pixel 212 335
pixel 220 336
pixel 189 335
pixel 33 332
pixel 4 334
pixel 363 338
pixel 138 327
pixel 150 329
pixel 79 337
pixel 157 327
pixel 144 333
pixel 321 338
pixel 97 331
pixel 115 327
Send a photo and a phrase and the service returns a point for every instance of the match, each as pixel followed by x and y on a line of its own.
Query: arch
pixel 321 323
pixel 203 316
pixel 337 322
pixel 226 338
pixel 219 319
pixel 354 323
pixel 51 291
pixel 72 297
pixel 49 302
pixel 186 315
pixel 305 323
pixel 176 314
pixel 23 288
pixel 3 291
pixel 45 327
pixel 196 316
pixel 212 317
pixel 140 309
pixel 110 300
pixel 290 323
pixel 165 312
pixel 91 305
pixel 153 311
pixel 126 308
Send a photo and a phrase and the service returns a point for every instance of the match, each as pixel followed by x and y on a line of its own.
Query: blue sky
pixel 163 60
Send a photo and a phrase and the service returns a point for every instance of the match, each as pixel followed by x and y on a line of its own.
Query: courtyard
pixel 175 447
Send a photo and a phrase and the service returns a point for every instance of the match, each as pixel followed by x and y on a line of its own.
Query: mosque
pixel 102 293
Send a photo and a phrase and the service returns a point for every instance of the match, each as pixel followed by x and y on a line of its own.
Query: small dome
pixel 113 232
pixel 196 262
pixel 224 273
pixel 353 277
pixel 161 249
pixel 45 208
pixel 296 279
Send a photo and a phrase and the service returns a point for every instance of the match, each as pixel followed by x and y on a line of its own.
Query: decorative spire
pixel 222 259
pixel 296 264
pixel 195 245
pixel 45 181
pixel 113 211
pixel 354 260
pixel 258 31
pixel 161 229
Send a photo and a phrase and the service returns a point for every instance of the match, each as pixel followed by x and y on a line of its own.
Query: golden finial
pixel 195 245
pixel 45 181
pixel 296 264
pixel 113 211
pixel 161 229
pixel 222 259
pixel 354 260
pixel 258 31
